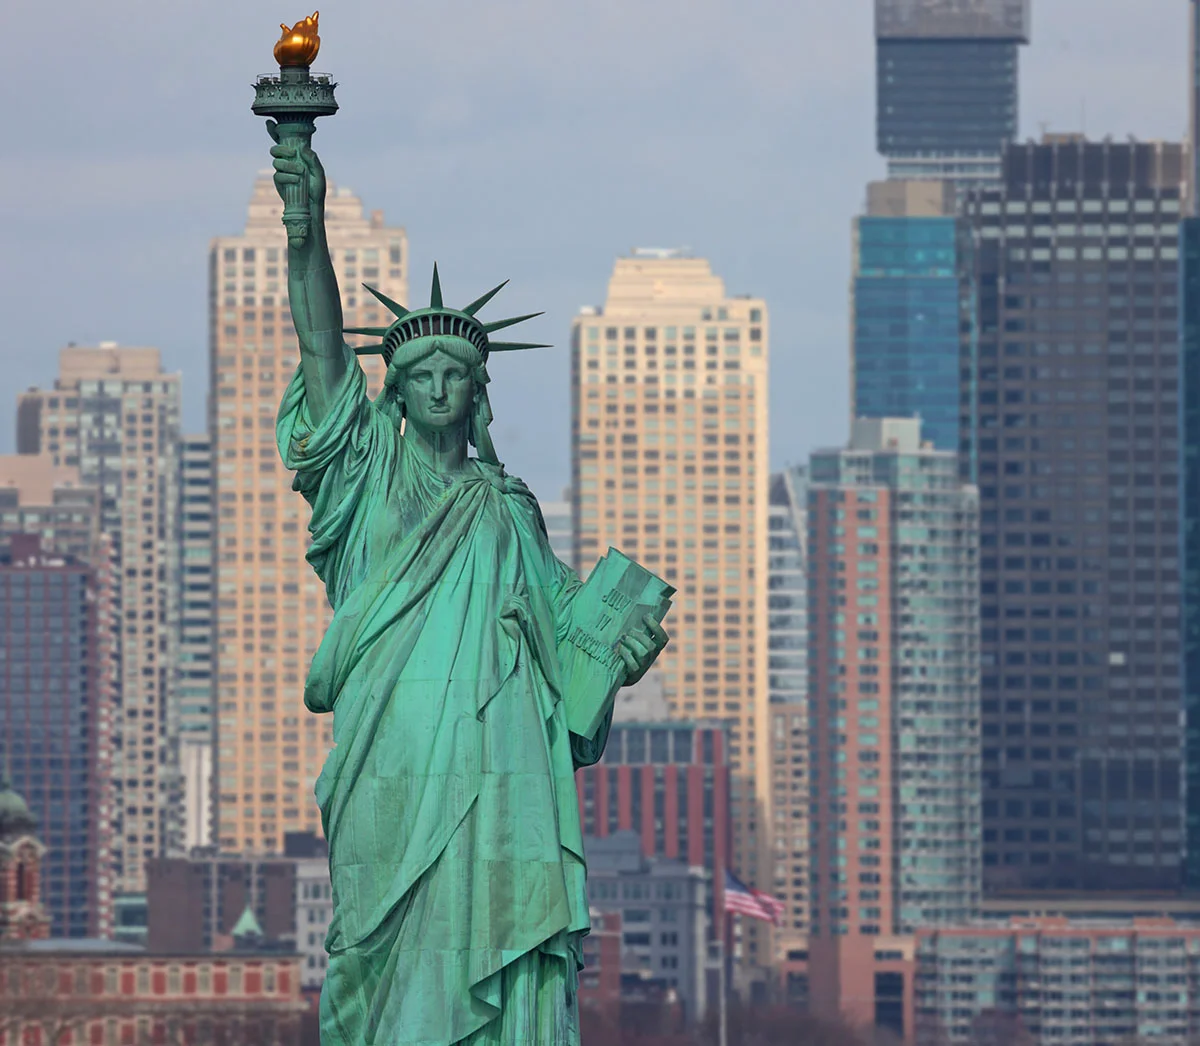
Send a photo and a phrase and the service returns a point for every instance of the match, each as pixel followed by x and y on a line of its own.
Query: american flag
pixel 745 900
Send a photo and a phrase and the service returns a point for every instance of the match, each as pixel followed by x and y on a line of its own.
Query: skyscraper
pixel 1194 109
pixel 1189 349
pixel 1071 405
pixel 271 607
pixel 192 728
pixel 787 668
pixel 947 84
pixel 55 718
pixel 113 413
pixel 894 655
pixel 670 464
pixel 1190 532
pixel 906 313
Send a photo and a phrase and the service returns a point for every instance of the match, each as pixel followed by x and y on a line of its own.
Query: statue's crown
pixel 439 320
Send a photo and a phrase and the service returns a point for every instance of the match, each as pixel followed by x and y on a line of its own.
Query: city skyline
pixel 479 170
pixel 919 457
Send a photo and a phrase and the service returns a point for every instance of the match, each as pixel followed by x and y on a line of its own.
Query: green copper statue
pixel 460 659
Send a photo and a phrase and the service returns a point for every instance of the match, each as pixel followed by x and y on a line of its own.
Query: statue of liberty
pixel 449 796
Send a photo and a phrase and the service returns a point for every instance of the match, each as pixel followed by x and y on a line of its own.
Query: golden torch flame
pixel 299 44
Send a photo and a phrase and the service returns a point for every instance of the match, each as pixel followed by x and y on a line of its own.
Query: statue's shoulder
pixel 515 490
pixel 503 481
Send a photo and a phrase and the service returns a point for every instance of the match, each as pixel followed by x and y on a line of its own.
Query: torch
pixel 294 99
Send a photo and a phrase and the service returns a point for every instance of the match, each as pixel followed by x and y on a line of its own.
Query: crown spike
pixel 375 332
pixel 394 307
pixel 499 325
pixel 369 350
pixel 480 302
pixel 435 292
pixel 513 346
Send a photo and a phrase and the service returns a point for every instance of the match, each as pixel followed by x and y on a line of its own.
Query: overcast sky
pixel 531 139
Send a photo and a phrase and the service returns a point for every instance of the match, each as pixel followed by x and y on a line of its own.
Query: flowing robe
pixel 448 799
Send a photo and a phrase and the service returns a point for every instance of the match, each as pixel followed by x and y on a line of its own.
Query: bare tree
pixel 779 1026
pixel 997 1028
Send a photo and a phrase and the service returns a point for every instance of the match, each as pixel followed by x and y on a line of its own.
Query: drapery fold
pixel 449 798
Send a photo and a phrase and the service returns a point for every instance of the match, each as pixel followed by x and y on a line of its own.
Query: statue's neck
pixel 443 451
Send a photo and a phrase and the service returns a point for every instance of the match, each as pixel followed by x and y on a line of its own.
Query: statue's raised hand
pixel 294 162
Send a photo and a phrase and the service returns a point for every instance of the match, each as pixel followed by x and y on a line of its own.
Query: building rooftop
pixel 35 477
pixel 108 360
pixel 103 946
pixel 15 816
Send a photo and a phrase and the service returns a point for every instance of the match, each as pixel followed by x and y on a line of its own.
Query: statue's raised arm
pixel 469 671
pixel 312 283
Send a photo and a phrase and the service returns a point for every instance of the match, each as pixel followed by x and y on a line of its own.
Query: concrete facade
pixel 664 915
pixel 314 913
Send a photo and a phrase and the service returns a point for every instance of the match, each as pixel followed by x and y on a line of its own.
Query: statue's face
pixel 438 393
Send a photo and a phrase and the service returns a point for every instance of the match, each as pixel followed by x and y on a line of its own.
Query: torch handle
pixel 297 214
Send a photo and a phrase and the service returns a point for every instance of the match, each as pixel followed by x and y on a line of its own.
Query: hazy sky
pixel 528 139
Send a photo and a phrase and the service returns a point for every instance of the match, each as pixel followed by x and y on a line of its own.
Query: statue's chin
pixel 449 430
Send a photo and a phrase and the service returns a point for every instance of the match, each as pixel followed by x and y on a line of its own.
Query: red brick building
pixel 669 782
pixel 94 992
pixel 75 992
pixel 22 916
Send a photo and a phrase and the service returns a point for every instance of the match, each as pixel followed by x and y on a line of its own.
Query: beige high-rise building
pixel 271 607
pixel 113 414
pixel 670 464
pixel 40 497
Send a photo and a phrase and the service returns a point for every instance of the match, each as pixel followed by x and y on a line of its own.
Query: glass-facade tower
pixel 51 721
pixel 906 309
pixel 947 84
pixel 1190 524
pixel 1071 409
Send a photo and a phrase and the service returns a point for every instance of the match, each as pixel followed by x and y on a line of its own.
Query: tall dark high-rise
pixel 55 709
pixel 947 84
pixel 1194 109
pixel 1189 237
pixel 1071 419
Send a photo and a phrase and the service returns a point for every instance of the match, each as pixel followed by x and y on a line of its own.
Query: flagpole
pixel 723 1032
